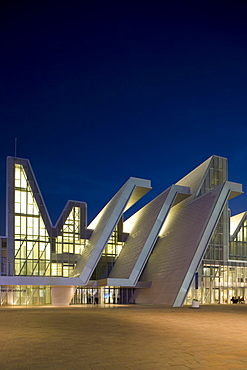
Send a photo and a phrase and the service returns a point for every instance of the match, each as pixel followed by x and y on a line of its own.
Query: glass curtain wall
pixel 218 284
pixel 36 253
pixel 32 242
pixel 109 255
pixel 25 295
pixel 67 247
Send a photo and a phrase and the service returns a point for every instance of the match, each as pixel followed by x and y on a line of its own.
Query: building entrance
pixel 106 295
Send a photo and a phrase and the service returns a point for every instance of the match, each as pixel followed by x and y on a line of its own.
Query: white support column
pixel 62 295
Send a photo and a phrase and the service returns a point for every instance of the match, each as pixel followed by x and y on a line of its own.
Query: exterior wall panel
pixel 178 241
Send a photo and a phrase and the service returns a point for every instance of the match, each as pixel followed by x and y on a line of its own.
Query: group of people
pixel 237 300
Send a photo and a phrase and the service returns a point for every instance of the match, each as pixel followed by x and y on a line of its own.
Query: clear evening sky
pixel 98 91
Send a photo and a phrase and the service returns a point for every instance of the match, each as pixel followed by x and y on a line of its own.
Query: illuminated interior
pixel 109 254
pixel 25 295
pixel 67 246
pixel 238 246
pixel 113 247
pixel 32 242
pixel 37 253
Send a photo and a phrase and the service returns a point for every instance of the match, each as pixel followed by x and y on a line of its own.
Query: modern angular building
pixel 183 244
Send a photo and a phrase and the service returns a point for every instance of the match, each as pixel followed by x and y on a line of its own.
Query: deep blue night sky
pixel 98 91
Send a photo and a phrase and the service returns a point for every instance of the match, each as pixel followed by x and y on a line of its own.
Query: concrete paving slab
pixel 123 337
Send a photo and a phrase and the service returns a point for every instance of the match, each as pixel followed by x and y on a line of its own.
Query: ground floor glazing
pixel 41 295
pixel 218 284
pixel 214 284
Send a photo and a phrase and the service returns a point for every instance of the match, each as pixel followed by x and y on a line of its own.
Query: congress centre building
pixel 182 245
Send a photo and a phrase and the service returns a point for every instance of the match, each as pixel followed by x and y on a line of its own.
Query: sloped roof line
pixel 236 222
pixel 52 230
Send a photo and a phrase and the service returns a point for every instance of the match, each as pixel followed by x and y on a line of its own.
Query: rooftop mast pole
pixel 15 146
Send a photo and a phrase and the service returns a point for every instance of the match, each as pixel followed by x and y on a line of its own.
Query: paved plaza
pixel 124 337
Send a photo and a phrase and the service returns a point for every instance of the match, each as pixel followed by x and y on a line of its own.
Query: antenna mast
pixel 15 146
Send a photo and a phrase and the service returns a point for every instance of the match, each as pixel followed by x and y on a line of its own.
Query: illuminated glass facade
pixel 23 295
pixel 67 246
pixel 238 244
pixel 32 242
pixel 218 284
pixel 36 252
pixel 109 255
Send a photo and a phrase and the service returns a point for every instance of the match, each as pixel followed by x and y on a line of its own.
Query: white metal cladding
pixel 178 241
pixel 104 227
pixel 147 223
pixel 174 250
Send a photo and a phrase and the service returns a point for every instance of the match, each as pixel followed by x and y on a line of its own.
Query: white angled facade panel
pixel 174 250
pixel 184 239
pixel 105 226
pixel 147 224
pixel 179 237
